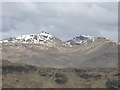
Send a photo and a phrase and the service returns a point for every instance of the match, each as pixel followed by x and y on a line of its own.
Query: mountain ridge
pixel 46 37
pixel 52 52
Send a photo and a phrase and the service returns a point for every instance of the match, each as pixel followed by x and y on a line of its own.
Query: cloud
pixel 62 20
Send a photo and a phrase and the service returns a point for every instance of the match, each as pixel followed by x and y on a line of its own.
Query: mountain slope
pixel 18 75
pixel 48 51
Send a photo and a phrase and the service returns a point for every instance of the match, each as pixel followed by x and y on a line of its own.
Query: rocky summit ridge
pixel 45 37
pixel 31 38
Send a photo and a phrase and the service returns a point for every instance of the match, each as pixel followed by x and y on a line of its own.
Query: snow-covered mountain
pixel 81 40
pixel 41 38
pixel 48 39
pixel 83 37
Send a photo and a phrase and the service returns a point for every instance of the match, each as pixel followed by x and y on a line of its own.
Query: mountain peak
pixel 41 38
pixel 46 38
pixel 81 40
pixel 83 37
pixel 43 33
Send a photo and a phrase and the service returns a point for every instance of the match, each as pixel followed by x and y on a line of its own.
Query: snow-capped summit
pixel 32 36
pixel 41 38
pixel 45 34
pixel 83 37
pixel 81 40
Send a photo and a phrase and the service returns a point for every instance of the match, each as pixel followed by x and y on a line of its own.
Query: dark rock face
pixel 11 69
pixel 43 73
pixel 117 74
pixel 17 80
pixel 58 75
pixel 78 71
pixel 113 84
pixel 60 78
pixel 46 73
pixel 76 43
pixel 84 75
pixel 80 38
pixel 89 76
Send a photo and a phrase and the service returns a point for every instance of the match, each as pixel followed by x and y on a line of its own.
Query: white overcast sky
pixel 64 20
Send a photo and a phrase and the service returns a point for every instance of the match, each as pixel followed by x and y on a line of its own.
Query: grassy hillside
pixel 25 76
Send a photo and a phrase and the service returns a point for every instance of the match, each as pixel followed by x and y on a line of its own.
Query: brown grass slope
pixel 101 53
pixel 18 75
